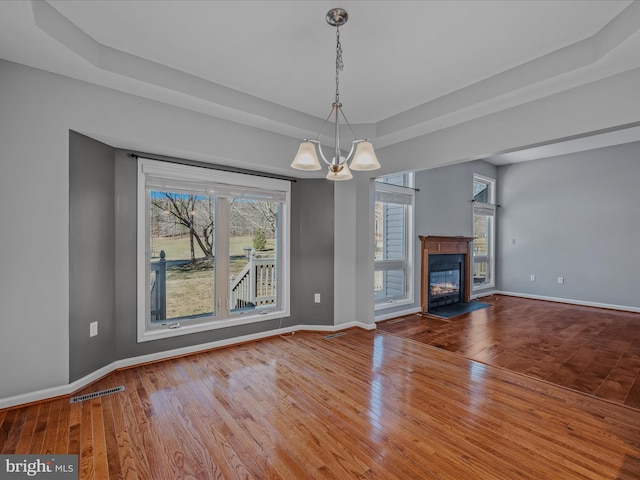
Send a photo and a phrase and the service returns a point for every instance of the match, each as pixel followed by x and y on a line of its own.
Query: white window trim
pixel 409 263
pixel 198 174
pixel 492 246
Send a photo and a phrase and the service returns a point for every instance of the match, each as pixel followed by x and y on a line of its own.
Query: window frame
pixel 407 263
pixel 491 182
pixel 146 331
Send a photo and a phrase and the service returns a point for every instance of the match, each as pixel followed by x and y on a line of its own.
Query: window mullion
pixel 221 233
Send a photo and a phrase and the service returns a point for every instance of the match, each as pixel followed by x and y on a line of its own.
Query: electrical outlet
pixel 560 279
pixel 93 329
pixel 316 298
pixel 533 278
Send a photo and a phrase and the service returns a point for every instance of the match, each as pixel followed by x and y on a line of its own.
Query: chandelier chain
pixel 339 63
pixel 361 155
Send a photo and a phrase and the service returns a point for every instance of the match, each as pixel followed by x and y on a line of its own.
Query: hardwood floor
pixel 365 404
pixel 591 350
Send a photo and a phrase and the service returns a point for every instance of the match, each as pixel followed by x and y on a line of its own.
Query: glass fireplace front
pixel 445 280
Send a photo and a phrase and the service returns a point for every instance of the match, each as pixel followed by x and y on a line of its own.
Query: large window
pixel 212 249
pixel 393 282
pixel 484 211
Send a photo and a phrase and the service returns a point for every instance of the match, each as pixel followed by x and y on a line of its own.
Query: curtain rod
pixel 210 166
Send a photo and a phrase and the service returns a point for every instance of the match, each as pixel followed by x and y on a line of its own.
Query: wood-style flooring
pixel 365 405
pixel 591 350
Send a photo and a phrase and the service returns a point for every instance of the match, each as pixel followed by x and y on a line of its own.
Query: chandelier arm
pixel 325 123
pixel 348 125
pixel 317 141
pixel 319 148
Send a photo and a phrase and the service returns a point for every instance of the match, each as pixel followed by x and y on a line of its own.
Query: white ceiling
pixel 271 63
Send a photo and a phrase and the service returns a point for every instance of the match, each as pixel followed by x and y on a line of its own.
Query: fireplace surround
pixel 450 257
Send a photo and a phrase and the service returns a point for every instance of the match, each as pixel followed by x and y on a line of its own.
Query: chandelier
pixel 361 156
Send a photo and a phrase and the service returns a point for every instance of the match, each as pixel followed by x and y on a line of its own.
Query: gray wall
pixel 443 204
pixel 91 254
pixel 104 287
pixel 312 247
pixel 574 216
pixel 443 207
pixel 37 111
pixel 45 106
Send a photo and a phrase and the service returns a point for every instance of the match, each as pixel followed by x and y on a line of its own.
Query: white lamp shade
pixel 344 174
pixel 306 158
pixel 364 158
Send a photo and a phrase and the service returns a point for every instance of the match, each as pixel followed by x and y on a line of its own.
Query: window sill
pixel 393 304
pixel 203 326
pixel 482 287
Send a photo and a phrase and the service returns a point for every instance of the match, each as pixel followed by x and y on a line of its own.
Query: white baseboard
pixel 387 316
pixel 68 389
pixel 567 300
pixel 484 294
pixel 342 326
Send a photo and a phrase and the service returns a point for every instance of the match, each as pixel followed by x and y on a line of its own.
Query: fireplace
pixel 445 273
pixel 446 280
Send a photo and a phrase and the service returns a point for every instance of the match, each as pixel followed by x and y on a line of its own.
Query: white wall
pixel 37 110
pixel 354 250
pixel 344 307
pixel 34 266
pixel 600 105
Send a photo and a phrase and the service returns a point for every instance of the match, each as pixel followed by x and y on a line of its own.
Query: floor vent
pixel 334 335
pixel 101 393
pixel 390 322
